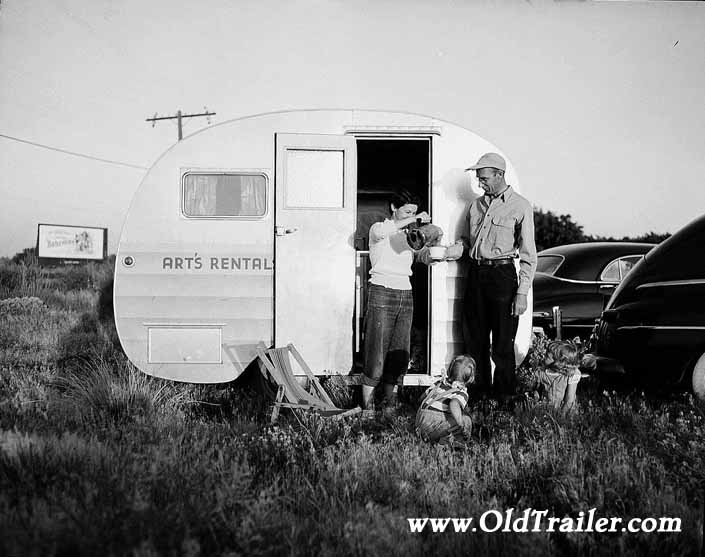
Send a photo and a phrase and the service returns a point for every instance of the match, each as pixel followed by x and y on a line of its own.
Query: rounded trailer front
pixel 244 233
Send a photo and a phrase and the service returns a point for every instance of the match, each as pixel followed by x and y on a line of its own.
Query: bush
pixel 18 314
pixel 72 300
pixel 23 305
pixel 106 313
pixel 27 255
pixel 86 342
pixel 99 390
pixel 28 278
pixel 9 337
pixel 9 278
pixel 650 238
pixel 21 280
pixel 88 275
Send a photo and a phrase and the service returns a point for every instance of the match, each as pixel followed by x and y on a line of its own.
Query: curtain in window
pixel 253 195
pixel 200 195
pixel 224 195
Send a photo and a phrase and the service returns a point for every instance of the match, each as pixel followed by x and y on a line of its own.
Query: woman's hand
pixel 423 216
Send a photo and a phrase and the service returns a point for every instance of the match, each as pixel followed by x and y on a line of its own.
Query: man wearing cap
pixel 499 229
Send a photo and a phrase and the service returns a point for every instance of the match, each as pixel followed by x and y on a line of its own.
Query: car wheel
pixel 699 378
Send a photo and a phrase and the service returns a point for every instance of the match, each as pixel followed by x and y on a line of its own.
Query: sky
pixel 599 105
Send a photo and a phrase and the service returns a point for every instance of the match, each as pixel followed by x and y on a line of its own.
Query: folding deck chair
pixel 290 393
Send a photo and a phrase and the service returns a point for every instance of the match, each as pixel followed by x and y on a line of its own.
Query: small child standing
pixel 561 374
pixel 440 416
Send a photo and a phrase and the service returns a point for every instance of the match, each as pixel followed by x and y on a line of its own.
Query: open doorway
pixel 387 164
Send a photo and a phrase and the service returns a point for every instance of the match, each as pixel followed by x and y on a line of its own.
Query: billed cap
pixel 490 160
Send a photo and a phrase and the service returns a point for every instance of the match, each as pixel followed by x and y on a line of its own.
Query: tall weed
pixel 78 301
pixel 30 279
pixel 106 392
pixel 22 280
pixel 87 341
pixel 339 390
pixel 30 331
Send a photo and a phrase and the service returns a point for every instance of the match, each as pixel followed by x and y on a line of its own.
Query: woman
pixel 390 305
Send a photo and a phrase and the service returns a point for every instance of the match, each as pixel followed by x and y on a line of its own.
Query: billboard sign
pixel 71 243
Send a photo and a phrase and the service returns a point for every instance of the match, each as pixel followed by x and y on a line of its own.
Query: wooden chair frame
pixel 277 367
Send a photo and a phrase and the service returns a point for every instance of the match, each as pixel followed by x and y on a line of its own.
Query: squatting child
pixel 440 416
pixel 561 374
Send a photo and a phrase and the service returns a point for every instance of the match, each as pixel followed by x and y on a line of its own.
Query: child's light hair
pixel 562 354
pixel 462 369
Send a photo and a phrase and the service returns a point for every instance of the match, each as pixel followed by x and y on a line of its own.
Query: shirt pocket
pixel 502 234
pixel 475 223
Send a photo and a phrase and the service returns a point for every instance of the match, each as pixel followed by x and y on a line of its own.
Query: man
pixel 499 228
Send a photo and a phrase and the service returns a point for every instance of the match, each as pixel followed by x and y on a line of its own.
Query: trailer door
pixel 314 252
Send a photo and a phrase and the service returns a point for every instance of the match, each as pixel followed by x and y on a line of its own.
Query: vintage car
pixel 573 283
pixel 653 328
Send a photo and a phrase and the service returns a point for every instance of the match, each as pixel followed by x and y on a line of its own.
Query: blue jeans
pixel 387 334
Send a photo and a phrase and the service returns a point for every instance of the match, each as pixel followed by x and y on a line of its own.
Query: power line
pixel 73 152
pixel 179 116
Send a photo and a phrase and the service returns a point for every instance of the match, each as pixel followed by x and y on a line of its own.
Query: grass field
pixel 98 459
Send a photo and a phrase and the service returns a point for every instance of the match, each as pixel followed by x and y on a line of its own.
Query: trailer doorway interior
pixel 386 164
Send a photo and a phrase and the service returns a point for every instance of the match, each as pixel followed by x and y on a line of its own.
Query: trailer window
pixel 224 195
pixel 314 179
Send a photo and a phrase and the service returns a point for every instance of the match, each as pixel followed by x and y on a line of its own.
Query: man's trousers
pixel 487 308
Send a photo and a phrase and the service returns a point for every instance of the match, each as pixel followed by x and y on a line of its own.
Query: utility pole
pixel 179 116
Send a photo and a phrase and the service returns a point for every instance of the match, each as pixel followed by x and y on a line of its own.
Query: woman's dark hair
pixel 403 197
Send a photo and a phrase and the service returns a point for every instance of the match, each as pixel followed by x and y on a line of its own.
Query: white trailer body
pixel 249 232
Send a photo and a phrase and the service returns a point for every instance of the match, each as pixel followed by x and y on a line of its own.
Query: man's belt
pixel 492 262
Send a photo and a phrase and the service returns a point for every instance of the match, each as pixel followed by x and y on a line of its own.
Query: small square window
pixel 314 179
pixel 224 195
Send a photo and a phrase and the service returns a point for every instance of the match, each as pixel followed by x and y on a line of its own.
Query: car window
pixel 619 268
pixel 611 272
pixel 627 263
pixel 548 263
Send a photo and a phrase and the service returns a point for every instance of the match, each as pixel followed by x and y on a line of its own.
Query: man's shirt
pixel 501 227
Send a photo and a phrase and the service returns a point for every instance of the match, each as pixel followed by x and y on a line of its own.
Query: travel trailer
pixel 255 230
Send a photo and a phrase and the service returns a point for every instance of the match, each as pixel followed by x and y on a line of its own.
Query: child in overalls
pixel 440 416
pixel 561 375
